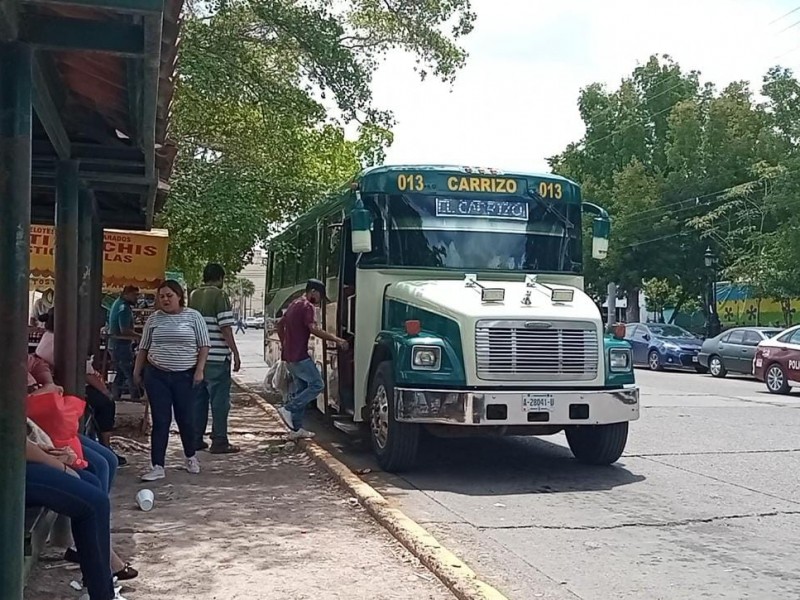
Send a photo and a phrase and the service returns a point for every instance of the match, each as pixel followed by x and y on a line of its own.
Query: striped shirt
pixel 215 306
pixel 172 341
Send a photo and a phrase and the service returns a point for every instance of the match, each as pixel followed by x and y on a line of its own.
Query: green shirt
pixel 120 318
pixel 215 306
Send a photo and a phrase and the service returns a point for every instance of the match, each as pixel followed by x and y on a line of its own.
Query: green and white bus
pixel 460 292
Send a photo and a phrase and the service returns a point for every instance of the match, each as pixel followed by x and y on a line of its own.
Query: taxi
pixel 777 361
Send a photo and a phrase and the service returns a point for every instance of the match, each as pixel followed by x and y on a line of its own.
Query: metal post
pixel 715 322
pixel 15 218
pixel 66 331
pixel 612 305
pixel 96 293
pixel 86 314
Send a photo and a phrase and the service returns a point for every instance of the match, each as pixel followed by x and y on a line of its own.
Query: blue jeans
pixel 306 385
pixel 123 359
pixel 216 392
pixel 103 462
pixel 170 391
pixel 88 508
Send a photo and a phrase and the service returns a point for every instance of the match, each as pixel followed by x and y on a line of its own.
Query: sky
pixel 515 102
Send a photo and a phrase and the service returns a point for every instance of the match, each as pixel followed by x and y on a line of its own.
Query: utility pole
pixel 611 302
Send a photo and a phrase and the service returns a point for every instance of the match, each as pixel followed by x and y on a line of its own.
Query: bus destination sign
pixel 493 209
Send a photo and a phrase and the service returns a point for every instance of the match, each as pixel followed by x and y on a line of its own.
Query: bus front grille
pixel 537 351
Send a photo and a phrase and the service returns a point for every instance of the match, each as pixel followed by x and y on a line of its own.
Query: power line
pixel 680 83
pixel 782 17
pixel 672 211
pixel 794 202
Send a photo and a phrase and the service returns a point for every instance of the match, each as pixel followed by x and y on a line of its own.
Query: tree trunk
pixel 632 314
pixel 677 308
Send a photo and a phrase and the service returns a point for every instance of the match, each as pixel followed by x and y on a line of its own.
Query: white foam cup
pixel 145 500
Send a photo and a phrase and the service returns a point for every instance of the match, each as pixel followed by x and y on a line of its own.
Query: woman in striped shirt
pixel 172 355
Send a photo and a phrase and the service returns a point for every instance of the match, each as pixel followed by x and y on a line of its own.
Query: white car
pixel 254 322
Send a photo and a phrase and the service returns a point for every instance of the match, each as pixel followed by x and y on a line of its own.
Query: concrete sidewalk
pixel 265 524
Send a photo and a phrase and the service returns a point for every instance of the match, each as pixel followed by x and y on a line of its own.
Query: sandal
pixel 226 449
pixel 127 572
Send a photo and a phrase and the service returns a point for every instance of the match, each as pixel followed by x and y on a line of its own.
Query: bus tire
pixel 598 444
pixel 395 444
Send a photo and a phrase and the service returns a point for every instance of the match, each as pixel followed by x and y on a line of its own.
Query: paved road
pixel 704 504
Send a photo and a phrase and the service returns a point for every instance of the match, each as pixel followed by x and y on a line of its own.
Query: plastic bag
pixel 268 377
pixel 59 417
pixel 280 381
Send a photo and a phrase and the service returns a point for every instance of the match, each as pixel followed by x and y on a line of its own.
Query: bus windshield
pixel 477 233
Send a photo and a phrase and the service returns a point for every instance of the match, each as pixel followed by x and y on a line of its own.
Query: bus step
pixel 344 424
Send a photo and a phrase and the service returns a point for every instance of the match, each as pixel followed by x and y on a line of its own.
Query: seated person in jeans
pixel 50 483
pixel 102 461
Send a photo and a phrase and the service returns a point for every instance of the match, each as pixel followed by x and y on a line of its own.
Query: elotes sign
pixel 129 257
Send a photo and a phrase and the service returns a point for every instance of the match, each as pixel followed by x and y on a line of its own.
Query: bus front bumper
pixel 491 408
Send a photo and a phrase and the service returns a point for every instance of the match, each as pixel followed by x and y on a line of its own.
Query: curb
pixel 462 581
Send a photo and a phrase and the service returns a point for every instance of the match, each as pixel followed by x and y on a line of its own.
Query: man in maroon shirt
pixel 294 330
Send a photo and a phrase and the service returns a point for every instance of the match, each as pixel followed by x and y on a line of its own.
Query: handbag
pixel 59 417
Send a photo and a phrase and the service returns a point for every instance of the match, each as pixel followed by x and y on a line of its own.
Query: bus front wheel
pixel 395 444
pixel 598 444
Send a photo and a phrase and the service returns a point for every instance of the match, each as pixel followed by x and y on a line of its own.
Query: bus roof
pixel 459 169
pixel 338 199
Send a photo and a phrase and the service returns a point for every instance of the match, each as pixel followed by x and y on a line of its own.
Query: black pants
pixel 103 409
pixel 170 391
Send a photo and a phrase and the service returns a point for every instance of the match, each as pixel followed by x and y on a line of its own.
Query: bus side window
pixel 334 235
pixel 306 258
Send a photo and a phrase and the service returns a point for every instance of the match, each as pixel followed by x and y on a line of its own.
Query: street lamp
pixel 713 324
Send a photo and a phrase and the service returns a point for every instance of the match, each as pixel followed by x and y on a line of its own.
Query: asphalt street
pixel 705 503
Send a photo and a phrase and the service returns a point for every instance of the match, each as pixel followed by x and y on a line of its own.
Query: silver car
pixel 732 351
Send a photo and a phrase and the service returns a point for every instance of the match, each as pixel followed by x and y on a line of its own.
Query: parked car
pixel 777 361
pixel 254 322
pixel 657 346
pixel 733 350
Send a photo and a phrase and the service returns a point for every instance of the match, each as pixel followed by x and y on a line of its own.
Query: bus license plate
pixel 695 359
pixel 538 402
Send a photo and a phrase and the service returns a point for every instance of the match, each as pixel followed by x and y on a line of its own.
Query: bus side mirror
pixel 601 229
pixel 361 222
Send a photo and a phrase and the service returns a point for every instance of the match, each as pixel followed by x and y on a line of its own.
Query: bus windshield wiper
pixel 568 225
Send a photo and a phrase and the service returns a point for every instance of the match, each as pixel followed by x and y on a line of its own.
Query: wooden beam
pixel 91 177
pixel 91 152
pixel 8 20
pixel 61 33
pixel 135 7
pixel 15 217
pixel 48 113
pixel 152 71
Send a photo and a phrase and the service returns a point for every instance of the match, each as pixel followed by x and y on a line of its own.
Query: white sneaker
pixel 286 416
pixel 193 465
pixel 301 434
pixel 157 472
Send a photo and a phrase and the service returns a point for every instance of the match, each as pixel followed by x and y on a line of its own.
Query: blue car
pixel 660 346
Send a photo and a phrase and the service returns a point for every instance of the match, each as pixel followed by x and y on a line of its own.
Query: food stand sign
pixel 129 258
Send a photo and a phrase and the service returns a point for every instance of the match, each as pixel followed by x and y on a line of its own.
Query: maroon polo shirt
pixel 297 321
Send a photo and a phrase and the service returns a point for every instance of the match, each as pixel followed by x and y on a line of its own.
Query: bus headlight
pixel 426 358
pixel 619 360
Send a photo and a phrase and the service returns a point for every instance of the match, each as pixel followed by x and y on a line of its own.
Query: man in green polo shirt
pixel 215 306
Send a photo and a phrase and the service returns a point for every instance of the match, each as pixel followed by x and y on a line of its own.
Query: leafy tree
pixel 681 166
pixel 264 90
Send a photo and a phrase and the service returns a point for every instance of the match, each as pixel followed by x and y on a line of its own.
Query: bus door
pixel 330 244
pixel 346 317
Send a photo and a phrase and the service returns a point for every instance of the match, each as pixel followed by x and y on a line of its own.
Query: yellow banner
pixel 129 258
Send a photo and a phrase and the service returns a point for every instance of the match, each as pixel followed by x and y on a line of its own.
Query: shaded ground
pixel 262 525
